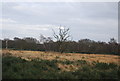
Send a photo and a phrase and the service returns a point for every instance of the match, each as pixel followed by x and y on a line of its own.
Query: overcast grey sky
pixel 93 20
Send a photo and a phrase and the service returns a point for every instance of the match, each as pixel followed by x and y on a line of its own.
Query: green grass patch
pixel 17 68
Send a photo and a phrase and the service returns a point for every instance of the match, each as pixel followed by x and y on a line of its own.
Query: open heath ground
pixel 29 55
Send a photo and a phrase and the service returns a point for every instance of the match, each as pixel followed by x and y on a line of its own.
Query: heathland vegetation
pixel 29 58
pixel 18 68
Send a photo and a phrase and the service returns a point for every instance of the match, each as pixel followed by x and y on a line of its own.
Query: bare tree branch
pixel 61 38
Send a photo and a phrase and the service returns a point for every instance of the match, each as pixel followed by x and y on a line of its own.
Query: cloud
pixel 92 20
pixel 28 27
pixel 21 30
pixel 7 20
pixel 95 24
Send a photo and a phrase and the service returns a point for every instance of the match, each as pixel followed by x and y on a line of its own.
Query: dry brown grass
pixel 70 67
pixel 28 55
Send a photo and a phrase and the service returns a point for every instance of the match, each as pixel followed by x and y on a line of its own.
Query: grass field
pixel 28 55
pixel 53 65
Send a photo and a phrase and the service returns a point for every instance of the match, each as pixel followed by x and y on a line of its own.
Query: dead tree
pixel 43 40
pixel 62 38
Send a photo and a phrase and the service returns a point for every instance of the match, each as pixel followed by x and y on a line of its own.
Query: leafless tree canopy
pixel 63 34
pixel 62 38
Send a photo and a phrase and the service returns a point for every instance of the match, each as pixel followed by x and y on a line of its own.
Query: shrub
pixel 17 68
pixel 105 66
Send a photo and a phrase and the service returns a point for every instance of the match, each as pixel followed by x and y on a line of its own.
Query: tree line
pixel 62 44
pixel 47 44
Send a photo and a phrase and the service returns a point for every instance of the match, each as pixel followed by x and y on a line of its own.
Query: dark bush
pixel 105 66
